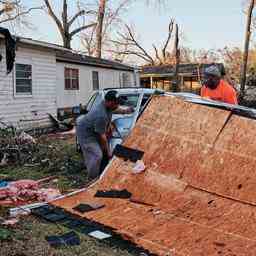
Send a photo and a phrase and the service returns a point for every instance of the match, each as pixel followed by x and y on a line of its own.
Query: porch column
pixel 151 82
pixel 182 81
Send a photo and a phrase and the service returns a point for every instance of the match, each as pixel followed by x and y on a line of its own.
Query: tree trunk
pixel 101 13
pixel 67 41
pixel 65 23
pixel 176 81
pixel 246 48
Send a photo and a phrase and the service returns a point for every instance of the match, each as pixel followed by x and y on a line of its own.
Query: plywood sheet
pixel 198 192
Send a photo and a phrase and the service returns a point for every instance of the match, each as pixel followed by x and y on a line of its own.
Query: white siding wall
pixel 70 98
pixel 15 109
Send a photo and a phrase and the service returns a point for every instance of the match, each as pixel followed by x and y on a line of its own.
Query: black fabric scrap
pixel 82 208
pixel 10 45
pixel 128 153
pixel 43 210
pixel 53 217
pixel 68 239
pixel 123 194
pixel 73 224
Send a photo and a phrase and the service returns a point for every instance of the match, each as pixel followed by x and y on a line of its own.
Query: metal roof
pixel 186 69
pixel 71 56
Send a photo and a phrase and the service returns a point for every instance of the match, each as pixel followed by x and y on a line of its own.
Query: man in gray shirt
pixel 91 132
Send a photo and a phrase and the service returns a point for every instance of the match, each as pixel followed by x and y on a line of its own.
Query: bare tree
pixel 14 10
pixel 64 25
pixel 96 39
pixel 132 47
pixel 108 14
pixel 246 47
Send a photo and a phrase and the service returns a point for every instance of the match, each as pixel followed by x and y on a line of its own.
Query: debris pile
pixel 20 148
pixel 15 147
pixel 26 191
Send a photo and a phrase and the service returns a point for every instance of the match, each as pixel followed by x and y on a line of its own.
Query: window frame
pixel 98 80
pixel 130 95
pixel 22 94
pixel 71 78
pixel 126 80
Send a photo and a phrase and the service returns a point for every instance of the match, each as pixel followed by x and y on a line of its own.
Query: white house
pixel 78 76
pixel 48 77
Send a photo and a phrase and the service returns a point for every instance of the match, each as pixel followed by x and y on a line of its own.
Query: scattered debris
pixel 61 126
pixel 68 239
pixel 48 194
pixel 19 148
pixel 25 209
pixel 139 167
pixel 128 153
pixel 25 138
pixel 3 183
pixel 23 191
pixel 4 160
pixel 10 222
pixel 99 235
pixel 124 194
pixel 5 234
pixel 82 208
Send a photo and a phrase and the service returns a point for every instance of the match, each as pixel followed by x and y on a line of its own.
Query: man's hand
pixel 109 155
pixel 124 111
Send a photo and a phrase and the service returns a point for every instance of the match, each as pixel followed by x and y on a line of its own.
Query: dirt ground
pixel 27 238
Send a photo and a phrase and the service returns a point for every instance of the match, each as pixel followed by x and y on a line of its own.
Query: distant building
pixel 161 77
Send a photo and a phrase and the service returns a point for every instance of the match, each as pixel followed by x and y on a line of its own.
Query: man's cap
pixel 112 96
pixel 213 71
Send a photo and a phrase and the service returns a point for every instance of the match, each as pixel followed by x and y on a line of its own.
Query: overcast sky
pixel 205 24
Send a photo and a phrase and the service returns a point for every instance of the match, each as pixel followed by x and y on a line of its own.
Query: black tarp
pixel 10 45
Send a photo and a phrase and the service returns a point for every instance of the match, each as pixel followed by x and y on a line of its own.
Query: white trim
pixel 22 95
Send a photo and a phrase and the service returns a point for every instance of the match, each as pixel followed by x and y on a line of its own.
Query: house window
pixel 95 80
pixel 71 79
pixel 126 80
pixel 23 79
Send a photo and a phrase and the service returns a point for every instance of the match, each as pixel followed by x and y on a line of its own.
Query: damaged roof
pixel 197 195
pixel 191 69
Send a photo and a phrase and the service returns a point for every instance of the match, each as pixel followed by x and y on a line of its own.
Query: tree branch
pixel 138 45
pixel 79 14
pixel 20 14
pixel 157 55
pixel 52 14
pixel 82 28
pixel 128 52
pixel 168 38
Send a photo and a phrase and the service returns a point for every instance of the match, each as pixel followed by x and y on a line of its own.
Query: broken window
pixel 71 79
pixel 95 80
pixel 23 79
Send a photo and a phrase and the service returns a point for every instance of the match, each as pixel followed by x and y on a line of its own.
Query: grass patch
pixel 58 158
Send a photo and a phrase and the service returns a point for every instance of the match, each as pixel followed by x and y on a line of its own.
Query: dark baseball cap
pixel 112 96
